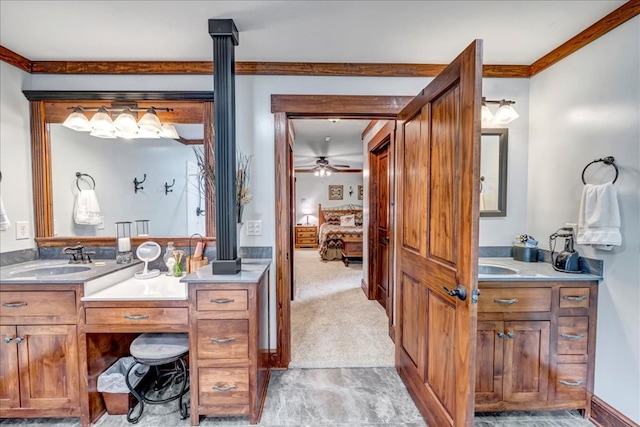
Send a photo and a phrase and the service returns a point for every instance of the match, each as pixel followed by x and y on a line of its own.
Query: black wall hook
pixel 167 186
pixel 137 183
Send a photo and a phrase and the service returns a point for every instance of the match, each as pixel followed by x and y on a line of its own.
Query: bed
pixel 331 232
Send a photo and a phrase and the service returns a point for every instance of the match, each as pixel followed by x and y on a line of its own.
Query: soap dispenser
pixel 168 258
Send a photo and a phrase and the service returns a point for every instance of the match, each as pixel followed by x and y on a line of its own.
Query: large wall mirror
pixel 493 172
pixel 170 196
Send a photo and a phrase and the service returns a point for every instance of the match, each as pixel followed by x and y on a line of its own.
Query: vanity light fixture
pixel 125 125
pixel 505 113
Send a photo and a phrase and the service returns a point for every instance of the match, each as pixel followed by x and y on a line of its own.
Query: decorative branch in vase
pixel 243 196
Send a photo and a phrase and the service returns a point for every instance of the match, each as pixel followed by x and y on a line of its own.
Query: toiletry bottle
pixel 168 258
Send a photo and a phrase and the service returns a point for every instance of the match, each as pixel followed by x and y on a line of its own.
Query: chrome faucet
pixel 77 255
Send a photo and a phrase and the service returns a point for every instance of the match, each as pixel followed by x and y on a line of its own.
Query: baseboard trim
pixel 365 288
pixel 604 415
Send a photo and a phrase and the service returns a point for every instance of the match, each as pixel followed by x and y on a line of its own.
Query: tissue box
pixel 522 253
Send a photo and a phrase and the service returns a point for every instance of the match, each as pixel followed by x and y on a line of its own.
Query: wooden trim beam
pixel 332 172
pixel 12 58
pixel 604 415
pixel 356 105
pixel 618 17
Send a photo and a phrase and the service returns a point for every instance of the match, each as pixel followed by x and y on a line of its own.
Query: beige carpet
pixel 332 322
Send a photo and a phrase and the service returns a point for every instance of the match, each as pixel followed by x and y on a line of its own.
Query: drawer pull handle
pixel 136 316
pixel 14 304
pixel 572 336
pixel 574 298
pixel 572 383
pixel 7 340
pixel 506 301
pixel 222 301
pixel 224 387
pixel 223 340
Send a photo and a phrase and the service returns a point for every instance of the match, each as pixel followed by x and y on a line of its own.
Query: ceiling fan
pixel 323 168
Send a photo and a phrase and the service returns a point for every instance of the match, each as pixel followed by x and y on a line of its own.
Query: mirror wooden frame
pixel 47 107
pixel 503 142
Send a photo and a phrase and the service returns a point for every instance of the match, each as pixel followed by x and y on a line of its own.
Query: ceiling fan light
pixel 101 121
pixel 328 172
pixel 77 121
pixel 317 173
pixel 150 122
pixel 506 113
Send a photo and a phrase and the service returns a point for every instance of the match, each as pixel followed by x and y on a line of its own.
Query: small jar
pixel 168 258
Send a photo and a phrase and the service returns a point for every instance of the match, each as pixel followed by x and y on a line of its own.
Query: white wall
pixel 587 107
pixel 15 156
pixel 315 190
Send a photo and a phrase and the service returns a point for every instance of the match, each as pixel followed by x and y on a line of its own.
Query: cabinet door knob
pixel 511 335
pixel 18 340
pixel 7 340
pixel 500 334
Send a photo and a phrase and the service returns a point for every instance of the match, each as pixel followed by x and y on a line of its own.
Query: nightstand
pixel 306 236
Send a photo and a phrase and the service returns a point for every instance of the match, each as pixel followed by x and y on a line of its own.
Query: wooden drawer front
pixel 574 297
pixel 37 303
pixel 514 300
pixel 573 335
pixel 223 386
pixel 571 382
pixel 223 339
pixel 137 316
pixel 222 300
pixel 306 234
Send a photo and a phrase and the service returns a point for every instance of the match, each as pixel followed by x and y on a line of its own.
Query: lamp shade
pixel 126 125
pixel 102 121
pixel 169 131
pixel 506 113
pixel 150 123
pixel 77 121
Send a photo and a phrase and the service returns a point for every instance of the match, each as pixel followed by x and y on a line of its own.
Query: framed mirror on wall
pixel 493 172
pixel 168 196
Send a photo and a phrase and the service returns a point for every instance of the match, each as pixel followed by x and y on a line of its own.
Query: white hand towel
pixel 87 210
pixel 599 217
pixel 4 218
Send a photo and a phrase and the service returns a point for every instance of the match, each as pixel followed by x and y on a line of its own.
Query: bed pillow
pixel 332 218
pixel 348 221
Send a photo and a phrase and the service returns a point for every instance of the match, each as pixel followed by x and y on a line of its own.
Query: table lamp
pixel 306 210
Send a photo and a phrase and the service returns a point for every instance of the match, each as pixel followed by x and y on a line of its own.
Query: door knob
pixel 386 238
pixel 459 292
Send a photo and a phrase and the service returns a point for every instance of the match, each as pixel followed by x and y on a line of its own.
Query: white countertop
pixel 252 270
pixel 158 288
pixel 18 273
pixel 529 271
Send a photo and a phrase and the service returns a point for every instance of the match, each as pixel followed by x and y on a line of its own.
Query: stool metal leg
pixel 138 397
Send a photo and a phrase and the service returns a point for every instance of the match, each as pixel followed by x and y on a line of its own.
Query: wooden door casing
pixel 382 223
pixel 438 174
pixel 10 383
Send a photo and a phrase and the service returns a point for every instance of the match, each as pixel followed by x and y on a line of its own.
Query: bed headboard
pixel 342 210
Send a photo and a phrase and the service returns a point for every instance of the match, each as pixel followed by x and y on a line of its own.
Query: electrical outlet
pixel 22 230
pixel 101 225
pixel 573 227
pixel 254 228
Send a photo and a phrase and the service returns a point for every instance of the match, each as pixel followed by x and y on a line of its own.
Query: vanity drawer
pixel 37 303
pixel 574 297
pixel 137 316
pixel 222 300
pixel 223 339
pixel 573 335
pixel 571 381
pixel 223 386
pixel 514 300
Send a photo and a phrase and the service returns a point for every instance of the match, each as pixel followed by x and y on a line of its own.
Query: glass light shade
pixel 102 121
pixel 487 115
pixel 317 173
pixel 150 122
pixel 108 134
pixel 328 173
pixel 169 131
pixel 77 121
pixel 505 114
pixel 126 125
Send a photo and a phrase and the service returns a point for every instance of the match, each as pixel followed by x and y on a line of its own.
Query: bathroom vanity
pixel 536 338
pixel 61 331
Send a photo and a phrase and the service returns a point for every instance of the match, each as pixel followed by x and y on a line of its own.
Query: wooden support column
pixel 225 37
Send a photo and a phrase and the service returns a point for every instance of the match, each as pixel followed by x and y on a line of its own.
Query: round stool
pixel 156 350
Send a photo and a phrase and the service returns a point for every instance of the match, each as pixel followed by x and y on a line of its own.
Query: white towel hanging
pixel 87 209
pixel 4 218
pixel 599 217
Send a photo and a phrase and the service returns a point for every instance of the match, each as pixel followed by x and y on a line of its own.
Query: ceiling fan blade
pixel 341 166
pixel 331 168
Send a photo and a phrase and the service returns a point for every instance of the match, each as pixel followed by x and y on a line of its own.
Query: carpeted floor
pixel 332 322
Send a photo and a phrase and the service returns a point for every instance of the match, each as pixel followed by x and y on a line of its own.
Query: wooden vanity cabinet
pixel 229 357
pixel 39 351
pixel 535 346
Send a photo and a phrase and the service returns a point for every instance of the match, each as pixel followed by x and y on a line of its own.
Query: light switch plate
pixel 254 228
pixel 22 230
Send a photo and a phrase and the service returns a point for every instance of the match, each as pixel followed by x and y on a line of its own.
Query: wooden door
pixel 382 191
pixel 48 359
pixel 526 361
pixel 437 234
pixel 9 385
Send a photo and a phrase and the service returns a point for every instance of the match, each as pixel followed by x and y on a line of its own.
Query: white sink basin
pixel 495 269
pixel 50 271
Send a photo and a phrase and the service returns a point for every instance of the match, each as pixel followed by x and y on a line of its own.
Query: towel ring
pixel 80 175
pixel 609 160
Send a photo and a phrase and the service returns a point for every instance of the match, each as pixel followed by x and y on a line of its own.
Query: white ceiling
pixel 429 32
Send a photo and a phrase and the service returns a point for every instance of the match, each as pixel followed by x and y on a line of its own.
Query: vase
pixel 238 233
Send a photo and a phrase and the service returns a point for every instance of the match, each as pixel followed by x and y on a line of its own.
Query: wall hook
pixel 350 191
pixel 167 186
pixel 137 183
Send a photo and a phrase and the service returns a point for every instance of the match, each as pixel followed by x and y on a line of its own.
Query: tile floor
pixel 341 397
